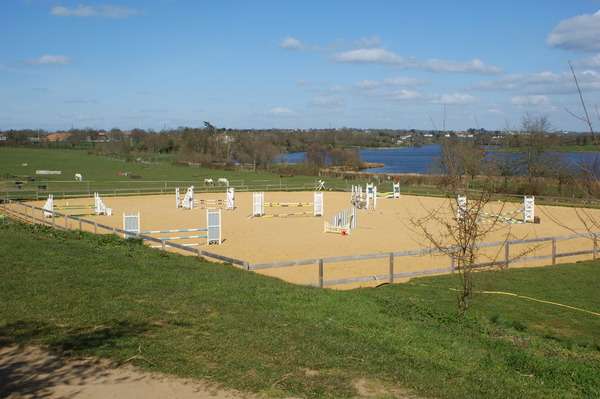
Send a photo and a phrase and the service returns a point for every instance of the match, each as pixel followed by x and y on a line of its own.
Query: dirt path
pixel 33 373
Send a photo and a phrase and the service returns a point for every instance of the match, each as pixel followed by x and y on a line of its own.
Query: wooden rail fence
pixel 26 213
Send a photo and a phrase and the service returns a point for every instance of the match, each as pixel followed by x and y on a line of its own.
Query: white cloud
pixel 578 33
pixel 48 59
pixel 404 81
pixel 591 62
pixel 281 111
pixel 368 84
pixel 528 101
pixel 405 95
pixel 385 57
pixel 545 82
pixel 474 66
pixel 291 43
pixel 108 11
pixel 455 99
pixel 329 102
pixel 369 56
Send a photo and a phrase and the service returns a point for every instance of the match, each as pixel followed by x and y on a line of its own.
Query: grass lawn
pixel 95 167
pixel 102 173
pixel 92 295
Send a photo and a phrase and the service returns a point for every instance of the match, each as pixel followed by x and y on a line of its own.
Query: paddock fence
pixel 396 265
pixel 506 249
pixel 61 221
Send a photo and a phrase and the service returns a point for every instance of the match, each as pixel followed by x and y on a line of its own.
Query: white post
pixel 231 198
pixel 461 209
pixel 529 209
pixel 318 203
pixel 258 204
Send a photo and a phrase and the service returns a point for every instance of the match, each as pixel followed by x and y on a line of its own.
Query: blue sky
pixel 303 64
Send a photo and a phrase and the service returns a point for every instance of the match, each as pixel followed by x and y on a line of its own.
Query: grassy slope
pixel 102 296
pixel 102 168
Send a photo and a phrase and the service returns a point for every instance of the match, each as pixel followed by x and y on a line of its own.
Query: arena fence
pixel 58 220
pixel 26 213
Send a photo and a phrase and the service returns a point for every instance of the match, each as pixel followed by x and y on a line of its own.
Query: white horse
pixel 224 181
pixel 209 182
pixel 78 177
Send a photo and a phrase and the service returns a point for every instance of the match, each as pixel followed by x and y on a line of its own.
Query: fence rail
pixel 30 217
pixel 506 261
pixel 26 213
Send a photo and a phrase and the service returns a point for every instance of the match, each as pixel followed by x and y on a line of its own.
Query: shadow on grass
pixel 26 371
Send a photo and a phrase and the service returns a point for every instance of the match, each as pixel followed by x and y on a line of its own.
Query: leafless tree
pixel 586 116
pixel 458 231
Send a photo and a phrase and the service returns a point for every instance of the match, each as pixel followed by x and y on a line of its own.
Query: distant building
pixel 3 137
pixel 225 138
pixel 54 137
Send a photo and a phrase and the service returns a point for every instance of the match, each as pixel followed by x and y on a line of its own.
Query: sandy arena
pixel 386 229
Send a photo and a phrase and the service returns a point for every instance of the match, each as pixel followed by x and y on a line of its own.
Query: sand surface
pixel 33 373
pixel 388 228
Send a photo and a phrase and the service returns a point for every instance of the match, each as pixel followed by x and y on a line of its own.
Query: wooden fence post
pixel 95 227
pixel 391 267
pixel 80 225
pixel 506 254
pixel 595 251
pixel 32 215
pixel 554 251
pixel 66 221
pixel 163 244
pixel 53 222
pixel 321 273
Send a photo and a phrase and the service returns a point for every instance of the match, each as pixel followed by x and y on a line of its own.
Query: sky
pixel 158 64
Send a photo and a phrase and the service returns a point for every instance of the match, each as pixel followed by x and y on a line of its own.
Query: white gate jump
pixel 131 225
pixel 342 223
pixel 366 199
pixel 99 207
pixel 527 212
pixel 259 205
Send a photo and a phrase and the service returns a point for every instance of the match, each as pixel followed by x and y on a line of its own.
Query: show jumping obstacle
pixel 364 200
pixel 188 200
pixel 342 223
pixel 527 212
pixel 212 231
pixel 99 207
pixel 228 203
pixel 259 205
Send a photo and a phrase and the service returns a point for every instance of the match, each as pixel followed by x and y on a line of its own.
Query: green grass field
pixel 81 294
pixel 102 174
pixel 95 167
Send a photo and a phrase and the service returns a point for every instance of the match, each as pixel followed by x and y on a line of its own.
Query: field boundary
pixel 26 214
pixel 392 274
pixel 29 217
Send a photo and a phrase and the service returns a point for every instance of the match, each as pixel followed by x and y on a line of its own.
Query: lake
pixel 425 159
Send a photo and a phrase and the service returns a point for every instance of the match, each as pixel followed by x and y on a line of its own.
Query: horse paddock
pixel 388 228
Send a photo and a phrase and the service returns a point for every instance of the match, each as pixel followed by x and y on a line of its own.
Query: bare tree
pixel 460 234
pixel 586 116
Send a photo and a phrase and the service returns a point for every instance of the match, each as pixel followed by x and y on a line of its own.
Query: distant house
pixel 225 139
pixel 101 137
pixel 3 137
pixel 55 137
